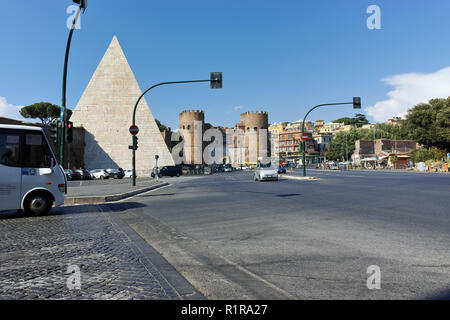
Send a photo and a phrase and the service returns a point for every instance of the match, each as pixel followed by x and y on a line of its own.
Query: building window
pixel 255 129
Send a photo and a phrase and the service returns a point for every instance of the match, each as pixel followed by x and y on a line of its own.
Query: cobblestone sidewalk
pixel 36 252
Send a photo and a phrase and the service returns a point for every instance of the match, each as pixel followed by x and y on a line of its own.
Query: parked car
pixel 265 171
pixel 100 174
pixel 84 174
pixel 128 173
pixel 281 170
pixel 116 173
pixel 169 171
pixel 73 175
pixel 70 175
pixel 228 168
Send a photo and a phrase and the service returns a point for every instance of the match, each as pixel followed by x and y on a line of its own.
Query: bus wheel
pixel 38 204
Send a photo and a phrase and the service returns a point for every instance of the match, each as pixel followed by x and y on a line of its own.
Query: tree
pixel 429 123
pixel 394 160
pixel 422 155
pixel 359 120
pixel 343 142
pixel 161 126
pixel 45 111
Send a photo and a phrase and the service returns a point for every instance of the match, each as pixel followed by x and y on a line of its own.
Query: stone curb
pixel 300 178
pixel 111 198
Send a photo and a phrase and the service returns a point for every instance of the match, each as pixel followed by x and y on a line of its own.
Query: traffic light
pixel 135 142
pixel 216 80
pixel 54 129
pixel 356 103
pixel 69 132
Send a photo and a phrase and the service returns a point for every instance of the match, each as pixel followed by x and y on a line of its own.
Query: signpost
pixel 134 130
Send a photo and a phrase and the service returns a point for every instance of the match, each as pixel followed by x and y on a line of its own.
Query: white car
pixel 265 171
pixel 100 174
pixel 128 173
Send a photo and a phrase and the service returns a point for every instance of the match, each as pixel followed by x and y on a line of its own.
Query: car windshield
pixel 265 165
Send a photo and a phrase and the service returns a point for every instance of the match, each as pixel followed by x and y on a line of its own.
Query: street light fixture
pixel 82 3
pixel 216 81
pixel 81 8
pixel 356 105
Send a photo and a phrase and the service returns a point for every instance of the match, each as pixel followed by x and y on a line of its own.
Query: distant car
pixel 169 171
pixel 116 173
pixel 100 174
pixel 265 171
pixel 73 175
pixel 128 173
pixel 281 170
pixel 84 174
pixel 70 175
pixel 228 169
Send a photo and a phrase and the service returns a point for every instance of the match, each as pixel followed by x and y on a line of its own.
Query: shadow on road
pixel 73 210
pixel 444 295
pixel 157 195
pixel 288 195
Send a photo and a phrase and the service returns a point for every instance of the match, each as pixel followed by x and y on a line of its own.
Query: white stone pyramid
pixel 105 112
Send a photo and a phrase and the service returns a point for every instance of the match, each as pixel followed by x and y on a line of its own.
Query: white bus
pixel 30 177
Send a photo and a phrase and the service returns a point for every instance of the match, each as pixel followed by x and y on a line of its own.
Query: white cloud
pixel 410 89
pixel 9 111
pixel 237 108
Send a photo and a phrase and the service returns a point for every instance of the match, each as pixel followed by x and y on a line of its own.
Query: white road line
pixel 135 196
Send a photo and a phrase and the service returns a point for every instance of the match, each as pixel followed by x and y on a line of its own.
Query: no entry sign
pixel 305 137
pixel 134 130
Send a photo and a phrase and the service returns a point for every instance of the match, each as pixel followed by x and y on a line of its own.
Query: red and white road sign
pixel 305 137
pixel 134 130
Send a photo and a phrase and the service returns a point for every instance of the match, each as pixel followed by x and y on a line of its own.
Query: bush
pixel 423 155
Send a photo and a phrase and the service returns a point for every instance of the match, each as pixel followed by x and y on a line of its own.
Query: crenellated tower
pixel 192 127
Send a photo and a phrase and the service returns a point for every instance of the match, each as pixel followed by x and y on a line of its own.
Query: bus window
pixel 10 149
pixel 37 152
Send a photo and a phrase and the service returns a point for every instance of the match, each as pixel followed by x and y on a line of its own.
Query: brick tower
pixel 255 126
pixel 192 128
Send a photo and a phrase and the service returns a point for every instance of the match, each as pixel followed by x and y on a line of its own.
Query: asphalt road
pixel 234 238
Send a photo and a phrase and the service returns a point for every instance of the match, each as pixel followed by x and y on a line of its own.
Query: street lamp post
pixel 356 105
pixel 216 83
pixel 82 7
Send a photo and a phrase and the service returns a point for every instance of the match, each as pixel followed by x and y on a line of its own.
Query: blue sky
pixel 278 56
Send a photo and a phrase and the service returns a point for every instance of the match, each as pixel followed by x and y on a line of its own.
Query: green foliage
pixel 359 120
pixel 424 154
pixel 429 123
pixel 161 126
pixel 45 111
pixel 346 140
pixel 343 142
